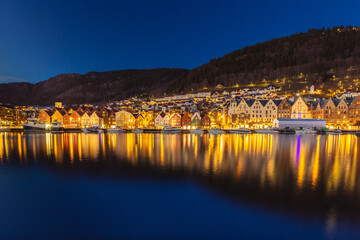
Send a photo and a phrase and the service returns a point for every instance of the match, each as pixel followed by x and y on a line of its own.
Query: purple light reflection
pixel 298 150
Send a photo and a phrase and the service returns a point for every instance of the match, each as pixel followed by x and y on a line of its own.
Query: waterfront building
pixel 186 121
pixel 317 109
pixel 44 116
pixel 335 111
pixel 284 109
pixel 85 119
pixel 66 120
pixel 205 121
pixel 175 120
pixel 57 115
pixel 149 120
pixel 112 120
pixel 125 119
pixel 139 121
pixel 300 109
pixel 75 120
pixel 329 109
pixel 162 120
pixel 196 120
pixel 96 119
pixel 9 115
pixel 299 123
pixel 354 110
pixel 239 111
pixel 257 110
pixel 105 116
pixel 270 110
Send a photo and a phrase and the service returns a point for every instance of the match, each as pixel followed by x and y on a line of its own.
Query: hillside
pixel 92 87
pixel 327 58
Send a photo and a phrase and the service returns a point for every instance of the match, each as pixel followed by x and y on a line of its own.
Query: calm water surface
pixel 155 186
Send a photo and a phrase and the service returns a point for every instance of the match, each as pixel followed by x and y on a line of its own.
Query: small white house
pixel 299 123
pixel 162 120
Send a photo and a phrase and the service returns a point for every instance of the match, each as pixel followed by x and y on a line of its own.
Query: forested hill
pixel 92 87
pixel 327 58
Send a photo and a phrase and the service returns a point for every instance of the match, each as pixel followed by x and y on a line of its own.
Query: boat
pixel 115 130
pixel 216 131
pixel 240 131
pixel 333 132
pixel 34 125
pixel 137 130
pixel 169 129
pixel 93 129
pixel 267 131
pixel 305 131
pixel 196 131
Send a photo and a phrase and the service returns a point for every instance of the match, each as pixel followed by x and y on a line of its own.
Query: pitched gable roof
pixel 263 102
pixel 249 102
pixel 277 102
pixel 162 114
pixel 336 101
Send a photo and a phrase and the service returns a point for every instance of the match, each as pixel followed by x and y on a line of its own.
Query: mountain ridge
pixel 328 58
pixel 92 87
pixel 314 56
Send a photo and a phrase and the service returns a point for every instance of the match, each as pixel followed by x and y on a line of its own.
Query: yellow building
pixel 58 104
pixel 125 119
pixel 299 109
pixel 85 120
pixel 57 116
pixel 96 119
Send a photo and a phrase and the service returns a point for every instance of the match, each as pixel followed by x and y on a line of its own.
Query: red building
pixel 186 121
pixel 205 122
pixel 112 119
pixel 44 116
pixel 67 121
pixel 75 119
pixel 175 120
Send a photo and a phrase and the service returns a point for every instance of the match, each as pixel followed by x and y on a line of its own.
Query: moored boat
pixel 305 131
pixel 169 129
pixel 240 131
pixel 93 129
pixel 196 131
pixel 115 130
pixel 34 125
pixel 333 132
pixel 138 130
pixel 216 131
pixel 267 131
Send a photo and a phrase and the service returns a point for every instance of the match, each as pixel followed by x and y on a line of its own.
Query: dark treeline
pixel 313 53
pixel 92 87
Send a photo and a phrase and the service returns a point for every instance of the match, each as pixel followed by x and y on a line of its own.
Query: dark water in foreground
pixel 154 186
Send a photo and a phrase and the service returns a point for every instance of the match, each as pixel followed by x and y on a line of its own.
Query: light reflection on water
pixel 268 158
pixel 314 172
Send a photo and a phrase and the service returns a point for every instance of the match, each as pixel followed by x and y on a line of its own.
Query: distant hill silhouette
pixel 92 87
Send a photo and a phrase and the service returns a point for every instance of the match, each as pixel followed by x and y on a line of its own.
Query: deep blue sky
pixel 40 39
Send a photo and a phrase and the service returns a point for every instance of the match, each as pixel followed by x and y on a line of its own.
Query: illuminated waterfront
pixel 309 185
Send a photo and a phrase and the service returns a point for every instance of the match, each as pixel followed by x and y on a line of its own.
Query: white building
pixel 299 109
pixel 162 120
pixel 299 123
pixel 312 89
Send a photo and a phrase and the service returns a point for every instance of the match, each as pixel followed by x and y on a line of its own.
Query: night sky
pixel 40 39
